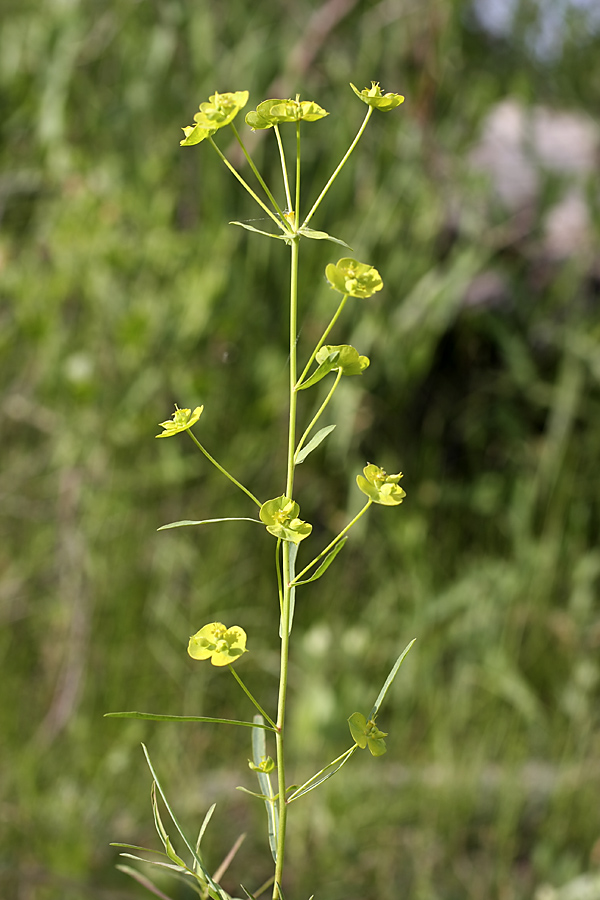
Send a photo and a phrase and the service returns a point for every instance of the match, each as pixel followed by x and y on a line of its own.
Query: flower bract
pixel 281 518
pixel 344 357
pixel 219 644
pixel 275 112
pixel 266 765
pixel 182 420
pixel 335 358
pixel 381 487
pixel 373 97
pixel 348 276
pixel 218 111
pixel 367 734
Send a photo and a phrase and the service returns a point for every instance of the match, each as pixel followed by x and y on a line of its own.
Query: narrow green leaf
pixel 252 793
pixel 327 772
pixel 160 828
pixel 154 862
pixel 173 856
pixel 211 884
pixel 136 847
pixel 259 752
pixel 389 680
pixel 204 826
pixel 145 882
pixel 321 236
pixel 313 444
pixel 293 555
pixel 155 718
pixel 278 237
pixel 326 562
pixel 207 522
pixel 324 369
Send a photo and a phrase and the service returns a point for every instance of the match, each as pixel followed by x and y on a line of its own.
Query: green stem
pixel 297 206
pixel 333 543
pixel 285 611
pixel 322 340
pixel 317 415
pixel 289 488
pixel 257 173
pixel 286 182
pixel 222 470
pixel 251 697
pixel 317 202
pixel 247 187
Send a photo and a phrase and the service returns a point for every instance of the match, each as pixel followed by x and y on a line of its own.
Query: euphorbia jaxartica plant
pixel 226 645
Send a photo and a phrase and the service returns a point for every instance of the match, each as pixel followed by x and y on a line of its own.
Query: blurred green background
pixel 124 291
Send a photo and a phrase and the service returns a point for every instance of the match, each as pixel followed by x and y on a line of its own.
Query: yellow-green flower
pixel 357 279
pixel 281 518
pixel 373 97
pixel 219 644
pixel 367 734
pixel 218 111
pixel 381 487
pixel 275 112
pixel 181 421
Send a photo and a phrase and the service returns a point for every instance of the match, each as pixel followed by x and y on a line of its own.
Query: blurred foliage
pixel 123 291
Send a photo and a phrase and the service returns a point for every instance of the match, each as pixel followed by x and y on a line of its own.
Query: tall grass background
pixel 123 291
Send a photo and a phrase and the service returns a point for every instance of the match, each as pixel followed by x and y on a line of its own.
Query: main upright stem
pixel 285 612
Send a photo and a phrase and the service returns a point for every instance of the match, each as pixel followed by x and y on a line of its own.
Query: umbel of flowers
pixel 321 373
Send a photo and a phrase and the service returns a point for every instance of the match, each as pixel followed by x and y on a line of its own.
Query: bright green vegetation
pixel 123 292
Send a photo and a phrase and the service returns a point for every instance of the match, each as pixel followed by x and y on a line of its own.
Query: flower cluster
pixel 381 487
pixel 276 112
pixel 373 97
pixel 218 111
pixel 367 734
pixel 219 644
pixel 281 518
pixel 182 420
pixel 348 276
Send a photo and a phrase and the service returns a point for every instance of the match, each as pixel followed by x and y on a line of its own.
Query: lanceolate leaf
pixel 259 752
pixel 156 718
pixel 325 773
pixel 278 237
pixel 326 563
pixel 319 373
pixel 313 443
pixel 321 236
pixel 389 680
pixel 216 889
pixel 145 882
pixel 207 522
pixel 293 555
